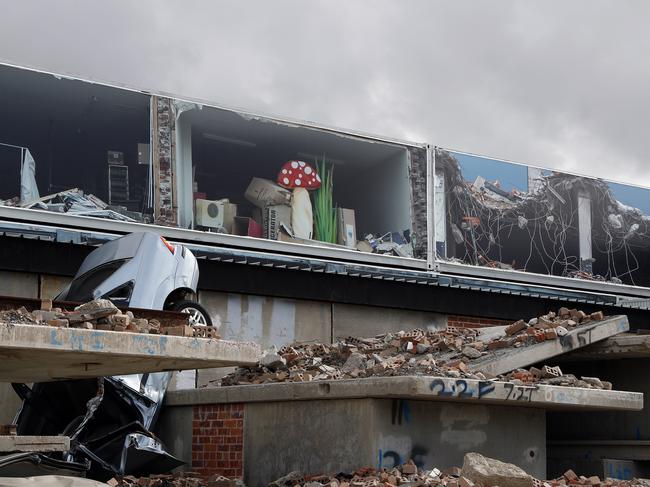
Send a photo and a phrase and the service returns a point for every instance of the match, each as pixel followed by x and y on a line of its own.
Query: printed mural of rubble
pixel 453 352
pixel 537 228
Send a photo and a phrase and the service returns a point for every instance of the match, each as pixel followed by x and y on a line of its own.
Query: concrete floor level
pixel 264 441
pixel 261 432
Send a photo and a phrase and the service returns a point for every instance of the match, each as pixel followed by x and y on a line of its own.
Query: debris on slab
pixel 180 479
pixel 477 471
pixel 100 314
pixel 439 353
pixel 75 202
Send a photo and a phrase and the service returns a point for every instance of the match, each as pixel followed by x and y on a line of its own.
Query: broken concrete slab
pixel 18 443
pixel 420 388
pixel 505 360
pixel 625 345
pixel 34 353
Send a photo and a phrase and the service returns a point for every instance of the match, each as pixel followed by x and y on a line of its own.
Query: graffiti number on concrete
pixel 418 454
pixel 584 337
pixel 460 388
pixel 518 393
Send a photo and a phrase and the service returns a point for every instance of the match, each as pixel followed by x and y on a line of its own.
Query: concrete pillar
pixel 163 136
pixel 50 286
pixel 584 233
pixel 440 214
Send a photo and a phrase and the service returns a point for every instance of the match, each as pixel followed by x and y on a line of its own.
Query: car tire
pixel 200 315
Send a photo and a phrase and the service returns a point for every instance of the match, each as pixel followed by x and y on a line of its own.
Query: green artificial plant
pixel 324 211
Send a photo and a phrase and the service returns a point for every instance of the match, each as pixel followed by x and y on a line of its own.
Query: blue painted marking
pixel 97 342
pixel 147 344
pixel 77 341
pixel 406 411
pixel 54 339
pixel 381 456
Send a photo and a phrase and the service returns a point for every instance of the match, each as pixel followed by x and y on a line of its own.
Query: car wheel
pixel 198 314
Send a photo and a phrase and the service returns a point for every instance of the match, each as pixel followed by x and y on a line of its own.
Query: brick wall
pixel 418 179
pixel 472 322
pixel 218 440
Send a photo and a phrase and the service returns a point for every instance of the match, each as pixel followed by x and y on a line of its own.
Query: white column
pixel 440 213
pixel 584 232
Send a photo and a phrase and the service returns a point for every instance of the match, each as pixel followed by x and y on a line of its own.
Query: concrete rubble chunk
pixel 356 361
pixel 471 352
pixel 491 472
pixel 97 305
pixel 272 360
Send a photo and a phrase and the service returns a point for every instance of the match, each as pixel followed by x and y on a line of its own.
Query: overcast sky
pixel 563 84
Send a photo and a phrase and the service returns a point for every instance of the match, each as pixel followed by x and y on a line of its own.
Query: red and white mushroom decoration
pixel 300 177
pixel 298 174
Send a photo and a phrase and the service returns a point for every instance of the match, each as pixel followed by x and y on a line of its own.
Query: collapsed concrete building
pixel 428 244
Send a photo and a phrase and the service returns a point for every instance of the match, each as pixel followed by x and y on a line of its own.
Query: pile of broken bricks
pixel 441 353
pixel 553 376
pixel 100 314
pixel 477 471
pixel 179 479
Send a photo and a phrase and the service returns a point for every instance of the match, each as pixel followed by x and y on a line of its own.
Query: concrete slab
pixel 420 388
pixel 31 353
pixel 17 443
pixel 504 360
pixel 625 345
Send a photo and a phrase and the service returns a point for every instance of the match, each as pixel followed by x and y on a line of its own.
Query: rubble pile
pixel 489 223
pixel 477 471
pixel 446 353
pixel 76 202
pixel 100 314
pixel 181 479
pixel 553 376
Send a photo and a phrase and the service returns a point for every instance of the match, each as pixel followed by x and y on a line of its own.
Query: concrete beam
pixel 17 443
pixel 420 388
pixel 620 346
pixel 507 359
pixel 31 353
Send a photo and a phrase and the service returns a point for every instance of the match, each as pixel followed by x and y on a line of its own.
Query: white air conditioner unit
pixel 218 215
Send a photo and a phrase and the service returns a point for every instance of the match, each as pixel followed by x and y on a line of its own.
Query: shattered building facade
pixel 427 238
pixel 77 148
pixel 559 225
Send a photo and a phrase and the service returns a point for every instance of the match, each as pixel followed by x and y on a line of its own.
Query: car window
pixel 81 289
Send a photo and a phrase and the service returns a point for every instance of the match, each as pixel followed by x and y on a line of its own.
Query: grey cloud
pixel 560 84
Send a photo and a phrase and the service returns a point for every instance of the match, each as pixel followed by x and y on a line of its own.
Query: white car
pixel 140 270
pixel 109 420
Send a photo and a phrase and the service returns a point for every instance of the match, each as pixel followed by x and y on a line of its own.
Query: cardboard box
pixel 218 214
pixel 247 227
pixel 275 216
pixel 263 192
pixel 347 232
pixel 115 157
